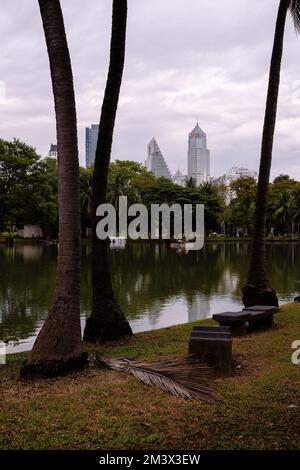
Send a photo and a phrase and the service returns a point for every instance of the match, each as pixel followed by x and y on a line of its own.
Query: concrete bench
pixel 225 329
pixel 235 320
pixel 212 346
pixel 261 316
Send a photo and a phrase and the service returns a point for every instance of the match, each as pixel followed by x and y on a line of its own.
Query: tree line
pixel 29 195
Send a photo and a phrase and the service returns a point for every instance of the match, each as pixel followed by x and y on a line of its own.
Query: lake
pixel 156 285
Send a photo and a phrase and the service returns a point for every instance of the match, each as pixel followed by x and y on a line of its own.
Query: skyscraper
pixel 155 161
pixel 91 138
pixel 198 156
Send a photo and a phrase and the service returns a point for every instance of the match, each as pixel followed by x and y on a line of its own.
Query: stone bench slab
pixel 262 308
pixel 221 335
pixel 212 328
pixel 241 316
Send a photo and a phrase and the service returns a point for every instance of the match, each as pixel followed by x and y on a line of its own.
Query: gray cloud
pixel 185 61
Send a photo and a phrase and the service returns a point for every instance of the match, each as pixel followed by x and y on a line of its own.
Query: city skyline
pixel 217 75
pixel 197 165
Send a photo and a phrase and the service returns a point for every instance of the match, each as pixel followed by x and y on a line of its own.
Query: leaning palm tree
pixel 57 348
pixel 258 290
pixel 107 321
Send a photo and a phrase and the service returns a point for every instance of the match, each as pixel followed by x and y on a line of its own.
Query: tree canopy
pixel 28 194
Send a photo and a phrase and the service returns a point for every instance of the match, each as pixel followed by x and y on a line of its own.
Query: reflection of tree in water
pixel 283 269
pixel 147 273
pixel 155 313
pixel 198 307
pixel 26 283
pixel 283 266
pixel 27 278
pixel 146 276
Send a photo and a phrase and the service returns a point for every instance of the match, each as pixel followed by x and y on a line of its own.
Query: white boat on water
pixel 117 242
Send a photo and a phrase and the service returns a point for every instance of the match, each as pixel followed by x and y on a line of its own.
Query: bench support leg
pixel 216 354
pixel 238 328
pixel 264 323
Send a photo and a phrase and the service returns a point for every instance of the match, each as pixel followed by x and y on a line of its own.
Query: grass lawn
pixel 103 409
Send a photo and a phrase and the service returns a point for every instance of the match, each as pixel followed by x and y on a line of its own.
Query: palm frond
pixel 192 381
pixel 295 12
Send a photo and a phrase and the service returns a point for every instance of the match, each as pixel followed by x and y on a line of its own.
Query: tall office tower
pixel 198 156
pixel 155 161
pixel 91 138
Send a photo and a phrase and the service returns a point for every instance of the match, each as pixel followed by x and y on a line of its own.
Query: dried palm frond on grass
pixel 192 381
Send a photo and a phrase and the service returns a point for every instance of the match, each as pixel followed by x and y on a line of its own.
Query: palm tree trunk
pixel 258 290
pixel 107 321
pixel 57 348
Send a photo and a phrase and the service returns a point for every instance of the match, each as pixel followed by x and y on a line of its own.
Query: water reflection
pixel 156 285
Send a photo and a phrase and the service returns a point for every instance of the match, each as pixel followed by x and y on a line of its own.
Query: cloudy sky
pixel 186 60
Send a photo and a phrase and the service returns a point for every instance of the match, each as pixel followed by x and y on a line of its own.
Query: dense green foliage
pixel 28 194
pixel 28 188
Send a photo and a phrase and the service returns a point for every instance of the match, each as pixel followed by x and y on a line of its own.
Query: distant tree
pixel 258 290
pixel 283 210
pixel 210 197
pixel 190 183
pixel 162 190
pixel 43 198
pixel 86 191
pixel 286 213
pixel 57 348
pixel 125 177
pixel 107 321
pixel 19 166
pixel 242 204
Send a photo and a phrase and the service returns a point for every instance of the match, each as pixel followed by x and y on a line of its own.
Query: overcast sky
pixel 186 60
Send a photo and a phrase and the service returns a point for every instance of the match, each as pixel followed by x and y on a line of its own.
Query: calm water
pixel 156 285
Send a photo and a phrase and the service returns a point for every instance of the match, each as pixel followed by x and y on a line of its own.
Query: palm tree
pixel 107 321
pixel 258 290
pixel 57 348
pixel 86 191
pixel 286 211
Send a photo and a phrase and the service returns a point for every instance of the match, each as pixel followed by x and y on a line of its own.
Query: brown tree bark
pixel 107 321
pixel 257 290
pixel 57 348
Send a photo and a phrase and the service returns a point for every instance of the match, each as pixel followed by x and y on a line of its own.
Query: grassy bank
pixel 103 409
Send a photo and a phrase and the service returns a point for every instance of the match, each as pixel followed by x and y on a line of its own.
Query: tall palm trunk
pixel 57 348
pixel 257 290
pixel 107 321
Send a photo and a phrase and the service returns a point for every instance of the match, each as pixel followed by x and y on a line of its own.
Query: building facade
pixel 53 151
pixel 29 231
pixel 198 156
pixel 155 161
pixel 91 139
pixel 238 172
pixel 234 174
pixel 179 178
